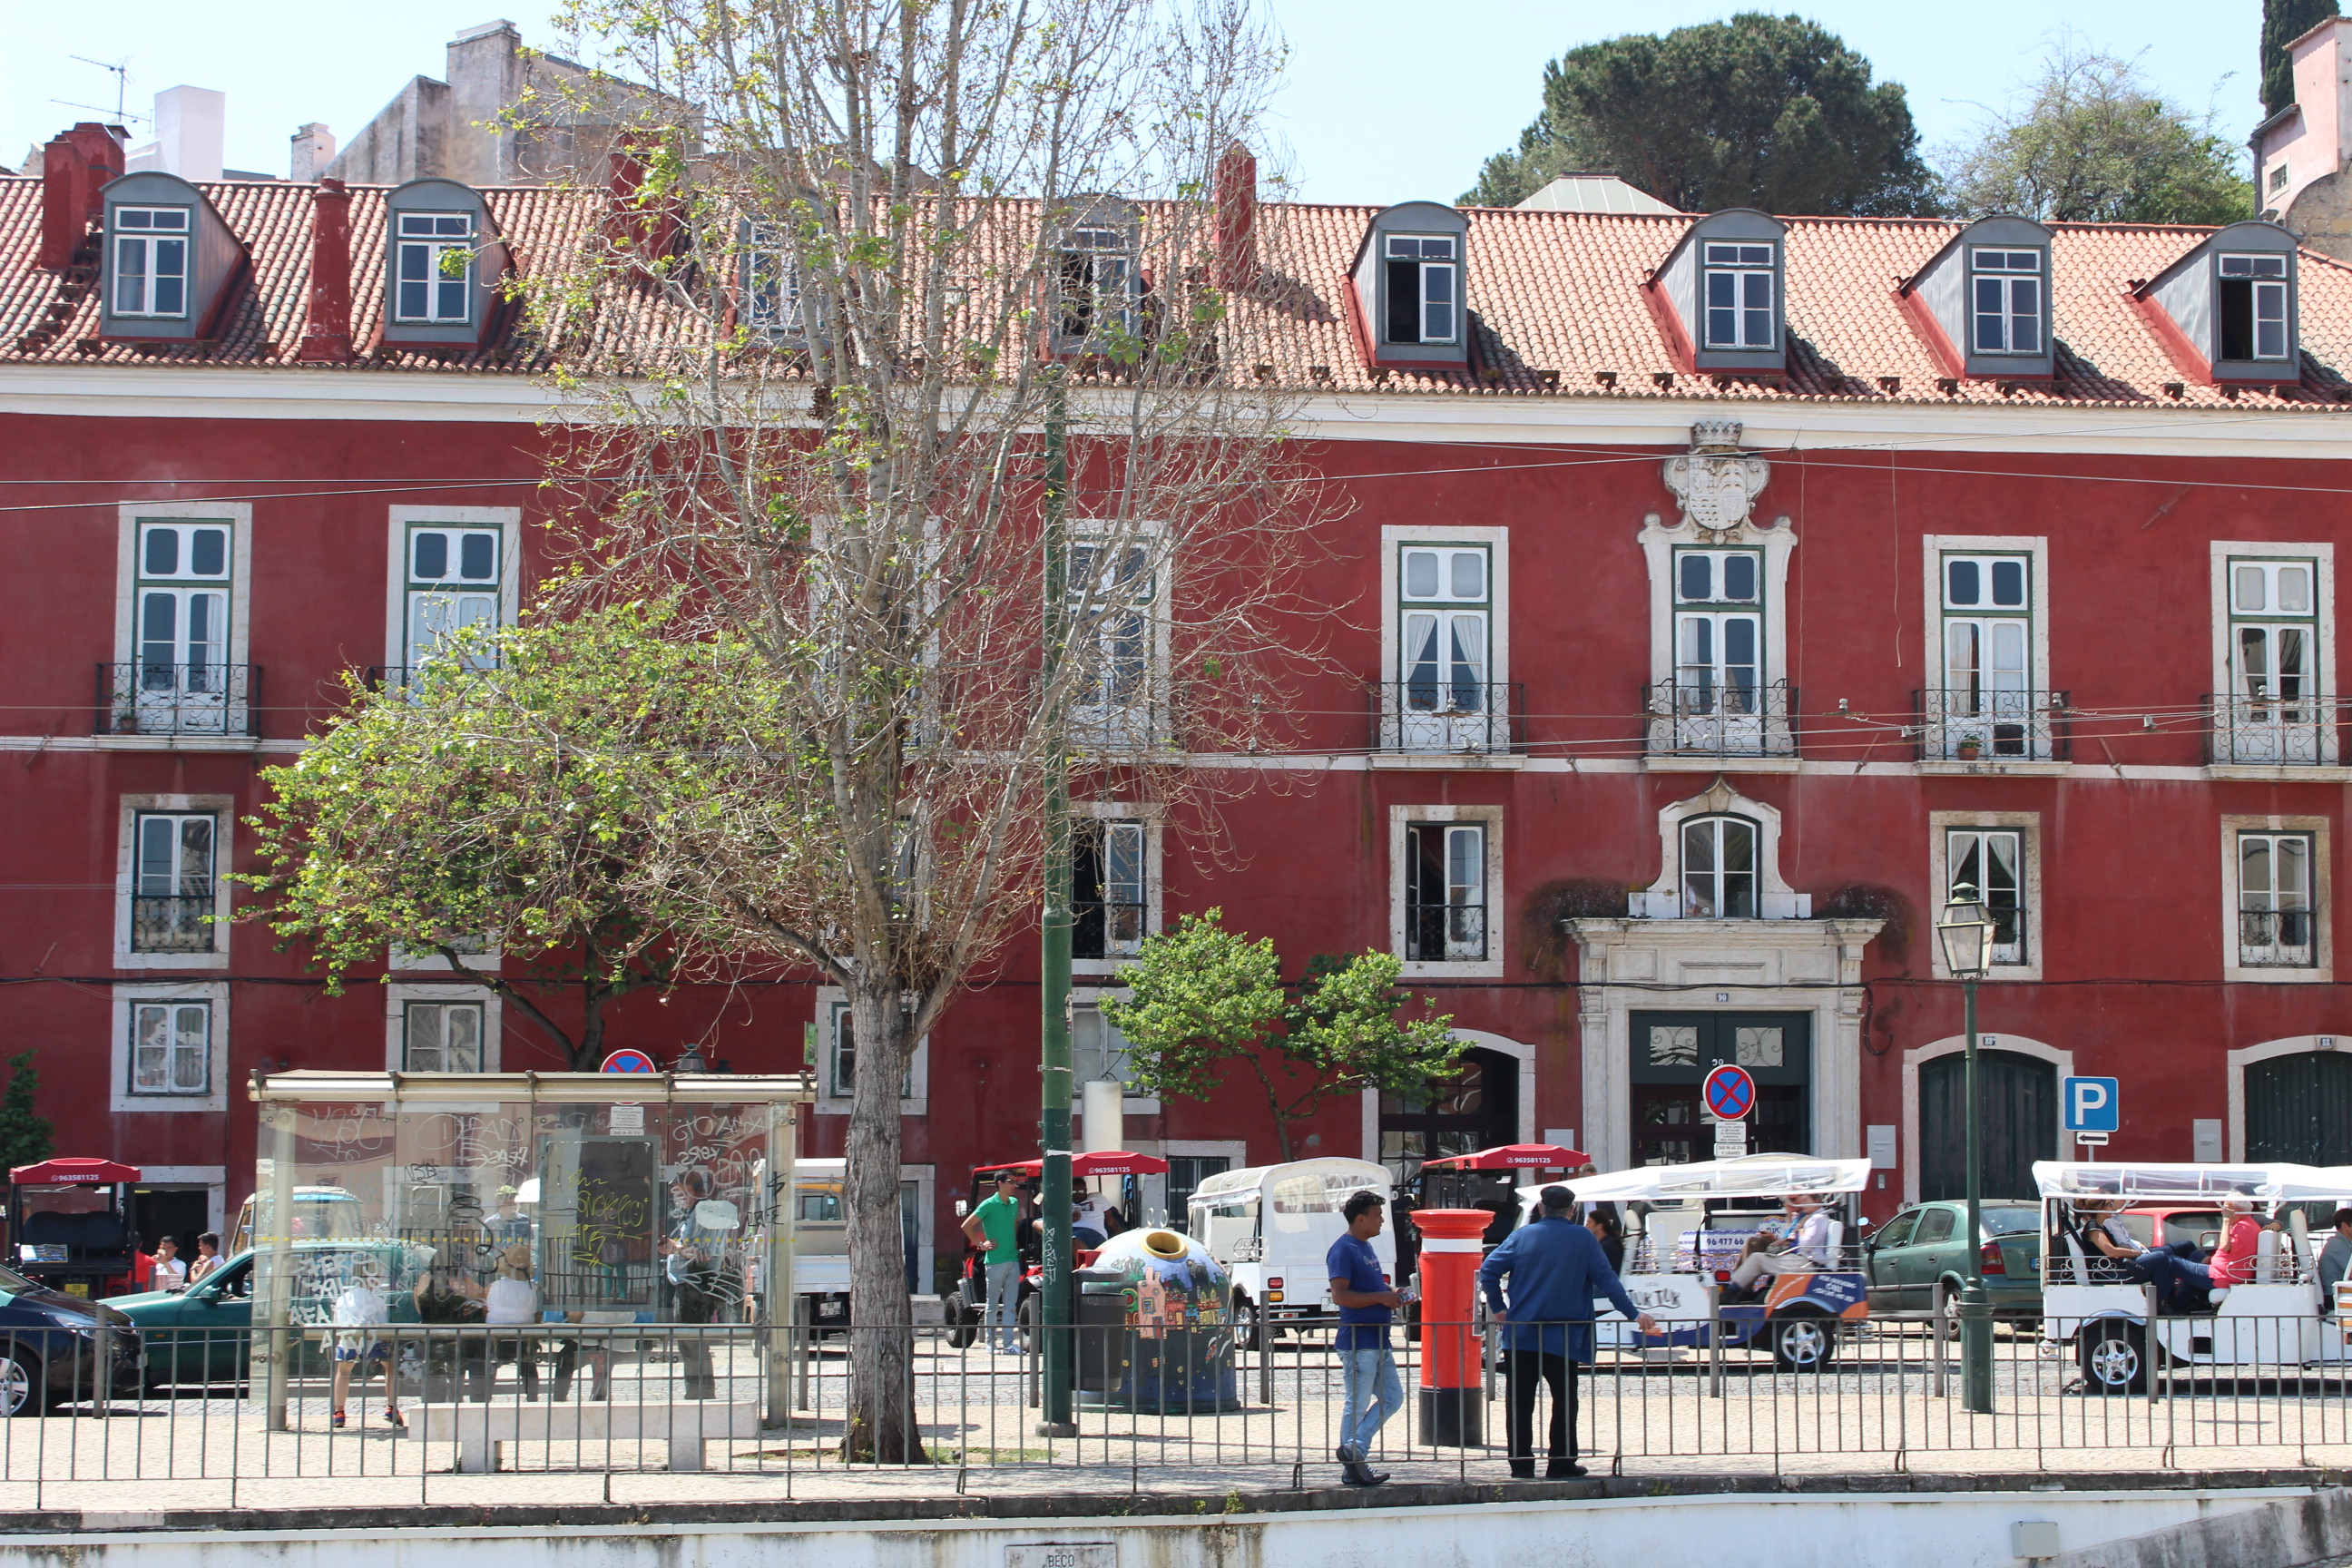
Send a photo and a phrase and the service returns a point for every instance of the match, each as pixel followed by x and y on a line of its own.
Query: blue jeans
pixel 1375 1392
pixel 1003 1291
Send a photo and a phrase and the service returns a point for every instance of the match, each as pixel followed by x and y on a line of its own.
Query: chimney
pixel 74 168
pixel 1237 199
pixel 311 149
pixel 191 132
pixel 327 326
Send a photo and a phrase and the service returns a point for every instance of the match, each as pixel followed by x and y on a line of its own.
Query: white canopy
pixel 2129 1179
pixel 1229 1189
pixel 1749 1176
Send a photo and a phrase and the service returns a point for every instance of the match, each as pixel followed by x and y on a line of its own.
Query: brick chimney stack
pixel 327 328
pixel 1237 199
pixel 75 167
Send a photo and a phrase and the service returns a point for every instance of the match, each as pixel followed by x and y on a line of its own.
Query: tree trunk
pixel 881 1427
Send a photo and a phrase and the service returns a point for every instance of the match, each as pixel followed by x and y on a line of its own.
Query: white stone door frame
pixel 1501 1045
pixel 2244 1056
pixel 1907 1155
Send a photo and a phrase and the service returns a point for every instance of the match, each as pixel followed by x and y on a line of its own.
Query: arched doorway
pixel 1478 1109
pixel 2299 1109
pixel 2020 1125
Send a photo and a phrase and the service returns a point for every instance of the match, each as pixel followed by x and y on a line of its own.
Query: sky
pixel 1383 100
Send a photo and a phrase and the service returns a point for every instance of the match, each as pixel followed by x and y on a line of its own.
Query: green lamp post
pixel 1966 931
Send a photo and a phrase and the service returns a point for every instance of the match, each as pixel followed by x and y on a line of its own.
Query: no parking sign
pixel 1731 1093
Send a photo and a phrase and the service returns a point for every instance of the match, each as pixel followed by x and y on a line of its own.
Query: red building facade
pixel 1710 595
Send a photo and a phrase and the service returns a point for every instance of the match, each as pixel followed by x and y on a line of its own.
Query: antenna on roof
pixel 122 69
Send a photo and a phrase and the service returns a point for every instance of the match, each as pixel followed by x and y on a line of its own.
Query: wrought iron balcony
pixel 2270 731
pixel 1100 927
pixel 1717 718
pixel 1446 933
pixel 174 923
pixel 207 698
pixel 2275 938
pixel 1959 724
pixel 1449 716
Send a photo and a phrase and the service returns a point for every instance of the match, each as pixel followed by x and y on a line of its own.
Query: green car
pixel 1919 1260
pixel 203 1334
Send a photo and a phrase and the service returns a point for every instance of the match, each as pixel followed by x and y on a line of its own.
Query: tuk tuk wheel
pixel 963 1323
pixel 1804 1343
pixel 1029 1324
pixel 1250 1333
pixel 22 1392
pixel 2114 1358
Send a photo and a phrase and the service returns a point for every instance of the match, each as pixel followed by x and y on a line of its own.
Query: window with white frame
pixel 1445 613
pixel 772 281
pixel 150 262
pixel 432 268
pixel 1991 861
pixel 1424 279
pixel 1719 630
pixel 841 1054
pixel 442 1036
pixel 1109 891
pixel 455 583
pixel 1097 282
pixel 1112 601
pixel 180 613
pixel 1988 645
pixel 1097 1050
pixel 171 1048
pixel 2274 638
pixel 2250 303
pixel 2006 301
pixel 1736 294
pixel 2277 912
pixel 173 886
pixel 1719 866
pixel 1446 892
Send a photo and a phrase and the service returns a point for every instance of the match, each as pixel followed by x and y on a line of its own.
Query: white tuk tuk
pixel 1694 1219
pixel 2277 1320
pixel 1272 1226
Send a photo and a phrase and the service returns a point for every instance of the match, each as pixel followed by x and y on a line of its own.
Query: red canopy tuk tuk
pixel 71 1221
pixel 967 1303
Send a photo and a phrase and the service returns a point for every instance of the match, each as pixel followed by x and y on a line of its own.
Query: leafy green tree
pixel 25 1139
pixel 2285 21
pixel 1201 999
pixel 510 793
pixel 2096 143
pixel 1763 112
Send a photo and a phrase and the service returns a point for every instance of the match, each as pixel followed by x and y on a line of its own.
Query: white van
pixel 1273 1226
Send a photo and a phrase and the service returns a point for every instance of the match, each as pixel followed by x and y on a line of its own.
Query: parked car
pixel 203 1334
pixel 57 1349
pixel 1919 1260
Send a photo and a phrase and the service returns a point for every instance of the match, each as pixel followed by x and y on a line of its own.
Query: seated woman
pixel 2182 1284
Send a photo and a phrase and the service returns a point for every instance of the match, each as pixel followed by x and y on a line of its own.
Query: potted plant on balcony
pixel 1969 748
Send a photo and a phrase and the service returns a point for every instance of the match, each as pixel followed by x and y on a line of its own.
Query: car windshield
pixel 2012 1222
pixel 16 1284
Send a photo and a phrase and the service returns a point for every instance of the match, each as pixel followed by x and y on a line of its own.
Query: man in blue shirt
pixel 1556 1269
pixel 1360 1289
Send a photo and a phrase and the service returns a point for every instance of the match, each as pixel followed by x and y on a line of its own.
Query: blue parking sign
pixel 2092 1104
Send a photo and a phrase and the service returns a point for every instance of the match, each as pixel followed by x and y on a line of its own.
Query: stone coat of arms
pixel 1714 482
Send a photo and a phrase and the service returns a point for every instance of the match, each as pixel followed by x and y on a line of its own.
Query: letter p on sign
pixel 2092 1104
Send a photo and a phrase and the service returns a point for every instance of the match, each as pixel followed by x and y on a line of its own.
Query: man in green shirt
pixel 993 1227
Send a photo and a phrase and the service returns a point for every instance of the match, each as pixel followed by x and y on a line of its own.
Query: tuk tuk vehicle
pixel 70 1219
pixel 2278 1320
pixel 1271 1227
pixel 967 1305
pixel 1680 1274
pixel 1484 1179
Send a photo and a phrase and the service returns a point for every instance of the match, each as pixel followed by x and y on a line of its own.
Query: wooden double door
pixel 1673 1052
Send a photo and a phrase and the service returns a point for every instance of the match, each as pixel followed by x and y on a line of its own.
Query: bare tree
pixel 826 363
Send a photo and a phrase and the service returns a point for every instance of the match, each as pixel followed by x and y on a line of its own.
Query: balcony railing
pixel 2259 731
pixel 178 699
pixel 2275 938
pixel 1446 933
pixel 1440 716
pixel 1965 725
pixel 174 923
pixel 1713 718
pixel 1102 928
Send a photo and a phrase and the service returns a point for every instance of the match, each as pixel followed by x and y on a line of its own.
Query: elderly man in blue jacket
pixel 1555 1271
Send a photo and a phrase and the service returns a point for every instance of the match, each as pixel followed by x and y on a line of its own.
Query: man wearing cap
pixel 1555 1271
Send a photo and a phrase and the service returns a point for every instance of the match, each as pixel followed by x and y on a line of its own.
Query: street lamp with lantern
pixel 1966 931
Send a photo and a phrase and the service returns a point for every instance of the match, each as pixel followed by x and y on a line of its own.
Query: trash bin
pixel 1156 1332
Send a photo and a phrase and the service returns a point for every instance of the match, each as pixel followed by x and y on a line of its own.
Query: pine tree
pixel 24 1139
pixel 2285 21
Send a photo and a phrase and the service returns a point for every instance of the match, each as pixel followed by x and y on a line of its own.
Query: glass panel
pixel 432 556
pixel 162 552
pixel 1469 575
pixel 2293 871
pixel 195 856
pixel 2295 589
pixel 1697 577
pixel 1673 1046
pixel 1722 313
pixel 1420 659
pixel 158 866
pixel 2255 871
pixel 1421 573
pixel 2025 315
pixel 1758 318
pixel 477 558
pixel 1990 319
pixel 2008 583
pixel 1759 1048
pixel 1739 577
pixel 1467 659
pixel 1963 582
pixel 1437 309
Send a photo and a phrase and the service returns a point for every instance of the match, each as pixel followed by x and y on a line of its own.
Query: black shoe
pixel 1564 1470
pixel 1345 1454
pixel 1356 1473
pixel 1523 1470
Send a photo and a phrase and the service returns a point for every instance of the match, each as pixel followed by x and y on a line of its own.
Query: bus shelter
pixel 602 1181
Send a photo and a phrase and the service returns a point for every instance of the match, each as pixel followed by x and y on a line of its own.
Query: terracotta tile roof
pixel 1555 298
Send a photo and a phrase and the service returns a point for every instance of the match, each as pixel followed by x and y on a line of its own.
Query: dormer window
pixel 433 268
pixel 1739 292
pixel 1095 280
pixel 2006 297
pixel 772 282
pixel 2252 292
pixel 1423 287
pixel 150 262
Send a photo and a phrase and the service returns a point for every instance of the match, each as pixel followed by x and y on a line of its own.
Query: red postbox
pixel 1452 1405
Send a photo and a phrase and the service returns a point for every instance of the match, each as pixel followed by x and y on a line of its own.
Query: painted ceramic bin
pixel 1156 1327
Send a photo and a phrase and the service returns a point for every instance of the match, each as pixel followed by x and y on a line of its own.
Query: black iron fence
pixel 1720 718
pixel 1449 716
pixel 172 922
pixel 2270 731
pixel 205 699
pixel 351 1411
pixel 1967 724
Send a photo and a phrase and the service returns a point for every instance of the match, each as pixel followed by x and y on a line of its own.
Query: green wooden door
pixel 2020 1120
pixel 2299 1109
